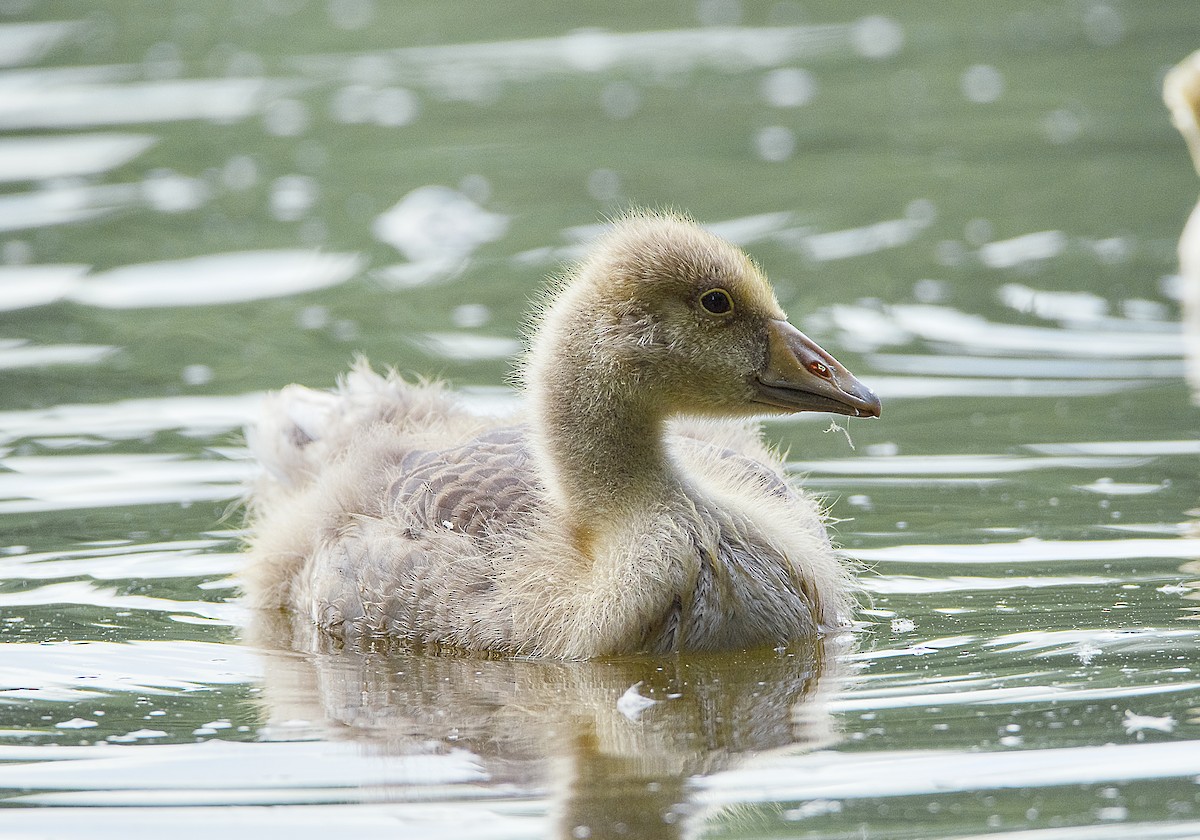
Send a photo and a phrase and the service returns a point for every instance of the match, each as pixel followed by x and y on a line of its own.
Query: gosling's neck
pixel 599 436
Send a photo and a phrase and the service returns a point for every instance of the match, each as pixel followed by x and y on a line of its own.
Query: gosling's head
pixel 673 315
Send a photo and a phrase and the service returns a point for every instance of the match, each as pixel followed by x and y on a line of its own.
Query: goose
pixel 632 507
pixel 1181 92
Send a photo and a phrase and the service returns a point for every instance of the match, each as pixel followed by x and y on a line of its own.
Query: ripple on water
pixel 1034 550
pixel 72 482
pixel 67 672
pixel 917 772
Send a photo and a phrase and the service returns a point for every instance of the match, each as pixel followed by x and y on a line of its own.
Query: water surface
pixel 974 208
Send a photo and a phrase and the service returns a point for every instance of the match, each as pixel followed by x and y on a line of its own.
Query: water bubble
pixel 467 81
pixel 240 172
pixel 243 64
pixel 620 100
pixel 169 192
pixel 719 12
pixel 470 315
pixel 950 253
pixel 1138 309
pixel 351 14
pixel 286 118
pixel 788 87
pixel 982 83
pixel 929 291
pixel 775 143
pixel 311 156
pixel 314 232
pixel 1113 250
pixel 978 232
pixel 1103 25
pixel 395 106
pixel 589 50
pixel 604 184
pixel 312 318
pixel 1061 126
pixel 352 104
pixel 921 211
pixel 475 187
pixel 437 224
pixel 345 330
pixel 17 252
pixel 291 197
pixel 197 375
pixel 786 13
pixel 162 61
pixel 372 69
pixel 877 37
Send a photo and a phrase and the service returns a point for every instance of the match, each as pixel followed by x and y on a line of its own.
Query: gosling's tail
pixel 300 430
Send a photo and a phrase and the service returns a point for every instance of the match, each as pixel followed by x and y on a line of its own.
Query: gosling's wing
pixel 486 485
pixel 422 567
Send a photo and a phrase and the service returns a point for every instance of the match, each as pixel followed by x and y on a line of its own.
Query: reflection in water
pixel 611 768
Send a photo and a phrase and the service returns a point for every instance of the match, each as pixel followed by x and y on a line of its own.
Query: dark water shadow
pixel 568 731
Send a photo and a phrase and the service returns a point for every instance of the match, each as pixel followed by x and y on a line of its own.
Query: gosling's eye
pixel 717 302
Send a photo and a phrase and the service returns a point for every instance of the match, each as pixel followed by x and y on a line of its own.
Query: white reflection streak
pixel 89 595
pixel 25 43
pixel 72 482
pixel 64 204
pixel 126 419
pixel 943 324
pixel 597 50
pixel 23 286
pixel 467 346
pixel 1031 367
pixel 1033 551
pixel 42 158
pixel 216 278
pixel 25 106
pixel 912 585
pixel 125 667
pixel 921 772
pixel 227 768
pixel 958 465
pixel 1001 696
pixel 46 355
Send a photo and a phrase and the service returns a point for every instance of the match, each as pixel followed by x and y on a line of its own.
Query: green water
pixel 975 207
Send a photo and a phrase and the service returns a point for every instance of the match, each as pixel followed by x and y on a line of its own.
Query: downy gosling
pixel 631 507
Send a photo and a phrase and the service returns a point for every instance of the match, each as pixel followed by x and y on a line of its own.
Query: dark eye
pixel 717 302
